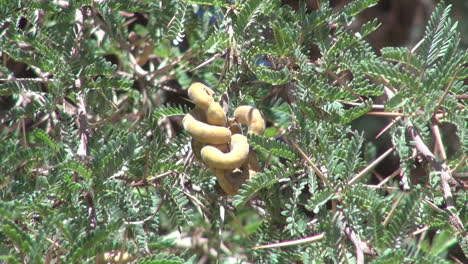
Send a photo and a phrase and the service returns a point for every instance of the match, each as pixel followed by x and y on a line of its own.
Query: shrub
pixel 95 166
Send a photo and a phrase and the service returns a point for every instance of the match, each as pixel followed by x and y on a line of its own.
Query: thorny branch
pixel 361 247
pixel 441 168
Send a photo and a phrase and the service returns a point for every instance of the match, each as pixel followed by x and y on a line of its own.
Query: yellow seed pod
pixel 215 115
pixel 199 114
pixel 201 95
pixel 235 128
pixel 252 161
pixel 238 177
pixel 250 116
pixel 196 148
pixel 223 147
pixel 226 185
pixel 237 155
pixel 205 133
pixel 231 180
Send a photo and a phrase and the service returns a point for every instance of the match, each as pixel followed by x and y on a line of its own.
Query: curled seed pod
pixel 236 178
pixel 199 114
pixel 252 161
pixel 227 187
pixel 206 133
pixel 250 116
pixel 235 128
pixel 201 95
pixel 237 155
pixel 231 180
pixel 215 115
pixel 223 147
pixel 196 148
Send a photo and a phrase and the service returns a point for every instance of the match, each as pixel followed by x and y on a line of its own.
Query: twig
pixel 81 101
pixel 461 96
pixel 134 63
pixel 374 106
pixel 361 247
pixel 111 118
pixel 445 176
pixel 23 130
pixel 446 91
pixel 310 239
pixel 438 141
pixel 460 174
pixel 460 164
pixel 13 79
pixel 238 223
pixel 83 126
pixel 420 230
pixel 433 206
pixel 391 176
pixel 370 167
pixel 91 210
pixel 345 85
pixel 208 61
pixel 147 218
pixel 357 244
pixel 392 210
pixel 384 113
pixel 387 127
pixel 311 164
pixel 387 188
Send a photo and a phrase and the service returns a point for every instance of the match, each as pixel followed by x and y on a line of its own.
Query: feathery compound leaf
pixel 369 27
pixel 273 146
pixel 79 168
pixel 166 111
pixel 271 76
pixel 390 73
pixel 262 180
pixel 27 86
pixel 357 6
pixel 207 2
pixel 176 28
pixel 40 136
pixel 178 206
pixel 402 55
pixel 249 11
pixel 318 200
pixel 160 259
pixel 437 34
pixel 355 112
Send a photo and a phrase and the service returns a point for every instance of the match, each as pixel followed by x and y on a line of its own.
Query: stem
pixel 370 166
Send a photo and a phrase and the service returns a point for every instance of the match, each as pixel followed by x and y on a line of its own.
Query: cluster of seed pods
pixel 218 142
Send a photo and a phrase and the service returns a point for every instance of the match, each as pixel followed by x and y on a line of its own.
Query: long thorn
pixel 293 242
pixel 370 166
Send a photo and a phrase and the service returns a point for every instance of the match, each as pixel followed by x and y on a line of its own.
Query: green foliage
pixel 94 159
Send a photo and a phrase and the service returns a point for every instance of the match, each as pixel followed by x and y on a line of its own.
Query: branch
pixel 361 247
pixel 83 126
pixel 439 167
pixel 81 101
